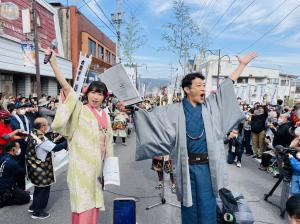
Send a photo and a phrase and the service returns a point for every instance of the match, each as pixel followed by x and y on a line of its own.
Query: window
pixel 92 47
pixel 107 59
pixel 273 81
pixel 100 52
pixel 284 82
pixel 259 80
pixel 113 59
pixel 242 80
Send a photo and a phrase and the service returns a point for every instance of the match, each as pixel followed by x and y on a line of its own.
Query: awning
pixel 11 59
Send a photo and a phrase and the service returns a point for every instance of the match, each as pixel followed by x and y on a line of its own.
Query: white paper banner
pixel 82 70
pixel 120 84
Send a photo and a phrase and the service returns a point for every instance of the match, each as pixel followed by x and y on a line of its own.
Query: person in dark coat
pixel 10 193
pixel 235 149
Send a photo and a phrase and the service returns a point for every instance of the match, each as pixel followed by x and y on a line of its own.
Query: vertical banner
pixel 246 94
pixel 274 93
pixel 258 93
pixel 240 91
pixel 243 92
pixel 28 51
pixel 82 71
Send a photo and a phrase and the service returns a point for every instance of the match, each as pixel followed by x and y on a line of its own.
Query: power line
pixel 205 11
pixel 272 12
pixel 273 28
pixel 213 3
pixel 265 16
pixel 242 12
pixel 101 9
pixel 205 4
pixel 228 8
pixel 99 17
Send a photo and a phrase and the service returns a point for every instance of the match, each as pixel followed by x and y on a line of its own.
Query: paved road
pixel 138 180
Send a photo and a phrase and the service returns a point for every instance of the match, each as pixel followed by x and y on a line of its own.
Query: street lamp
pixel 9 10
pixel 218 53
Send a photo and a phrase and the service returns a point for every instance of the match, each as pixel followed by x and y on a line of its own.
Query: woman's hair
pixel 98 87
pixel 9 146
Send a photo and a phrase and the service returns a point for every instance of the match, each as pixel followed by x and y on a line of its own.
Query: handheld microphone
pixel 53 46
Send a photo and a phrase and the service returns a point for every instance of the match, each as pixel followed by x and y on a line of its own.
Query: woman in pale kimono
pixel 88 131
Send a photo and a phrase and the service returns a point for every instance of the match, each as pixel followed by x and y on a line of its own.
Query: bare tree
pixel 184 35
pixel 133 38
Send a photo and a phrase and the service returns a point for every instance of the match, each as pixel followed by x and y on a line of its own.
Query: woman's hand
pixel 59 76
pixel 52 60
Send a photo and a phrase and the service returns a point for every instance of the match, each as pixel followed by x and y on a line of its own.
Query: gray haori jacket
pixel 162 131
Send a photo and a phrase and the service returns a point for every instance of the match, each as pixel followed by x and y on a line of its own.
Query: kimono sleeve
pixel 155 135
pixel 225 105
pixel 67 115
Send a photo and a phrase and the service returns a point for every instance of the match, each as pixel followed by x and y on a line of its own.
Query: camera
pixel 284 165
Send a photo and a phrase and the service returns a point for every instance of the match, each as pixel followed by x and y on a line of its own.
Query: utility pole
pixel 36 47
pixel 218 53
pixel 136 77
pixel 117 19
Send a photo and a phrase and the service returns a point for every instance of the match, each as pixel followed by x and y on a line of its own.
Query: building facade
pixel 84 36
pixel 255 84
pixel 15 78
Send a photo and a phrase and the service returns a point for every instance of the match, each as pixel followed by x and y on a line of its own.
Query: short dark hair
pixel 9 146
pixel 293 206
pixel 279 101
pixel 98 87
pixel 188 79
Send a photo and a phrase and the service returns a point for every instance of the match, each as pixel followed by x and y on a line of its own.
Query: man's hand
pixel 246 59
pixel 295 142
pixel 243 60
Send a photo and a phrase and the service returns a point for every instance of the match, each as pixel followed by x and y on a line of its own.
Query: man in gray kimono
pixel 193 132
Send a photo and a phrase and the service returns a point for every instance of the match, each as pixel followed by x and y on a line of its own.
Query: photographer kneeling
pixel 295 163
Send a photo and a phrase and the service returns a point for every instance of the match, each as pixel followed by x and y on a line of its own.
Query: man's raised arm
pixel 243 61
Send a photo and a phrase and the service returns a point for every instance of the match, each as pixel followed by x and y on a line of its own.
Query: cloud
pixel 159 6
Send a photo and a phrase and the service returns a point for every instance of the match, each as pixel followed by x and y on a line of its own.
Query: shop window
pixel 92 47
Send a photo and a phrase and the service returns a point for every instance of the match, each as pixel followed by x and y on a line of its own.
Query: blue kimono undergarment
pixel 203 210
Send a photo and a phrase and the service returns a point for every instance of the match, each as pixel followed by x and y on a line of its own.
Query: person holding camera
pixel 295 163
pixel 282 135
pixel 6 132
pixel 235 152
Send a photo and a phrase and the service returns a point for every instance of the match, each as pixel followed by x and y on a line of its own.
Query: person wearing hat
pixel 10 193
pixel 45 112
pixel 6 132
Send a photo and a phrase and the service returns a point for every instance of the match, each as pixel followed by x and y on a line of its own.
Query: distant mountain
pixel 153 84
